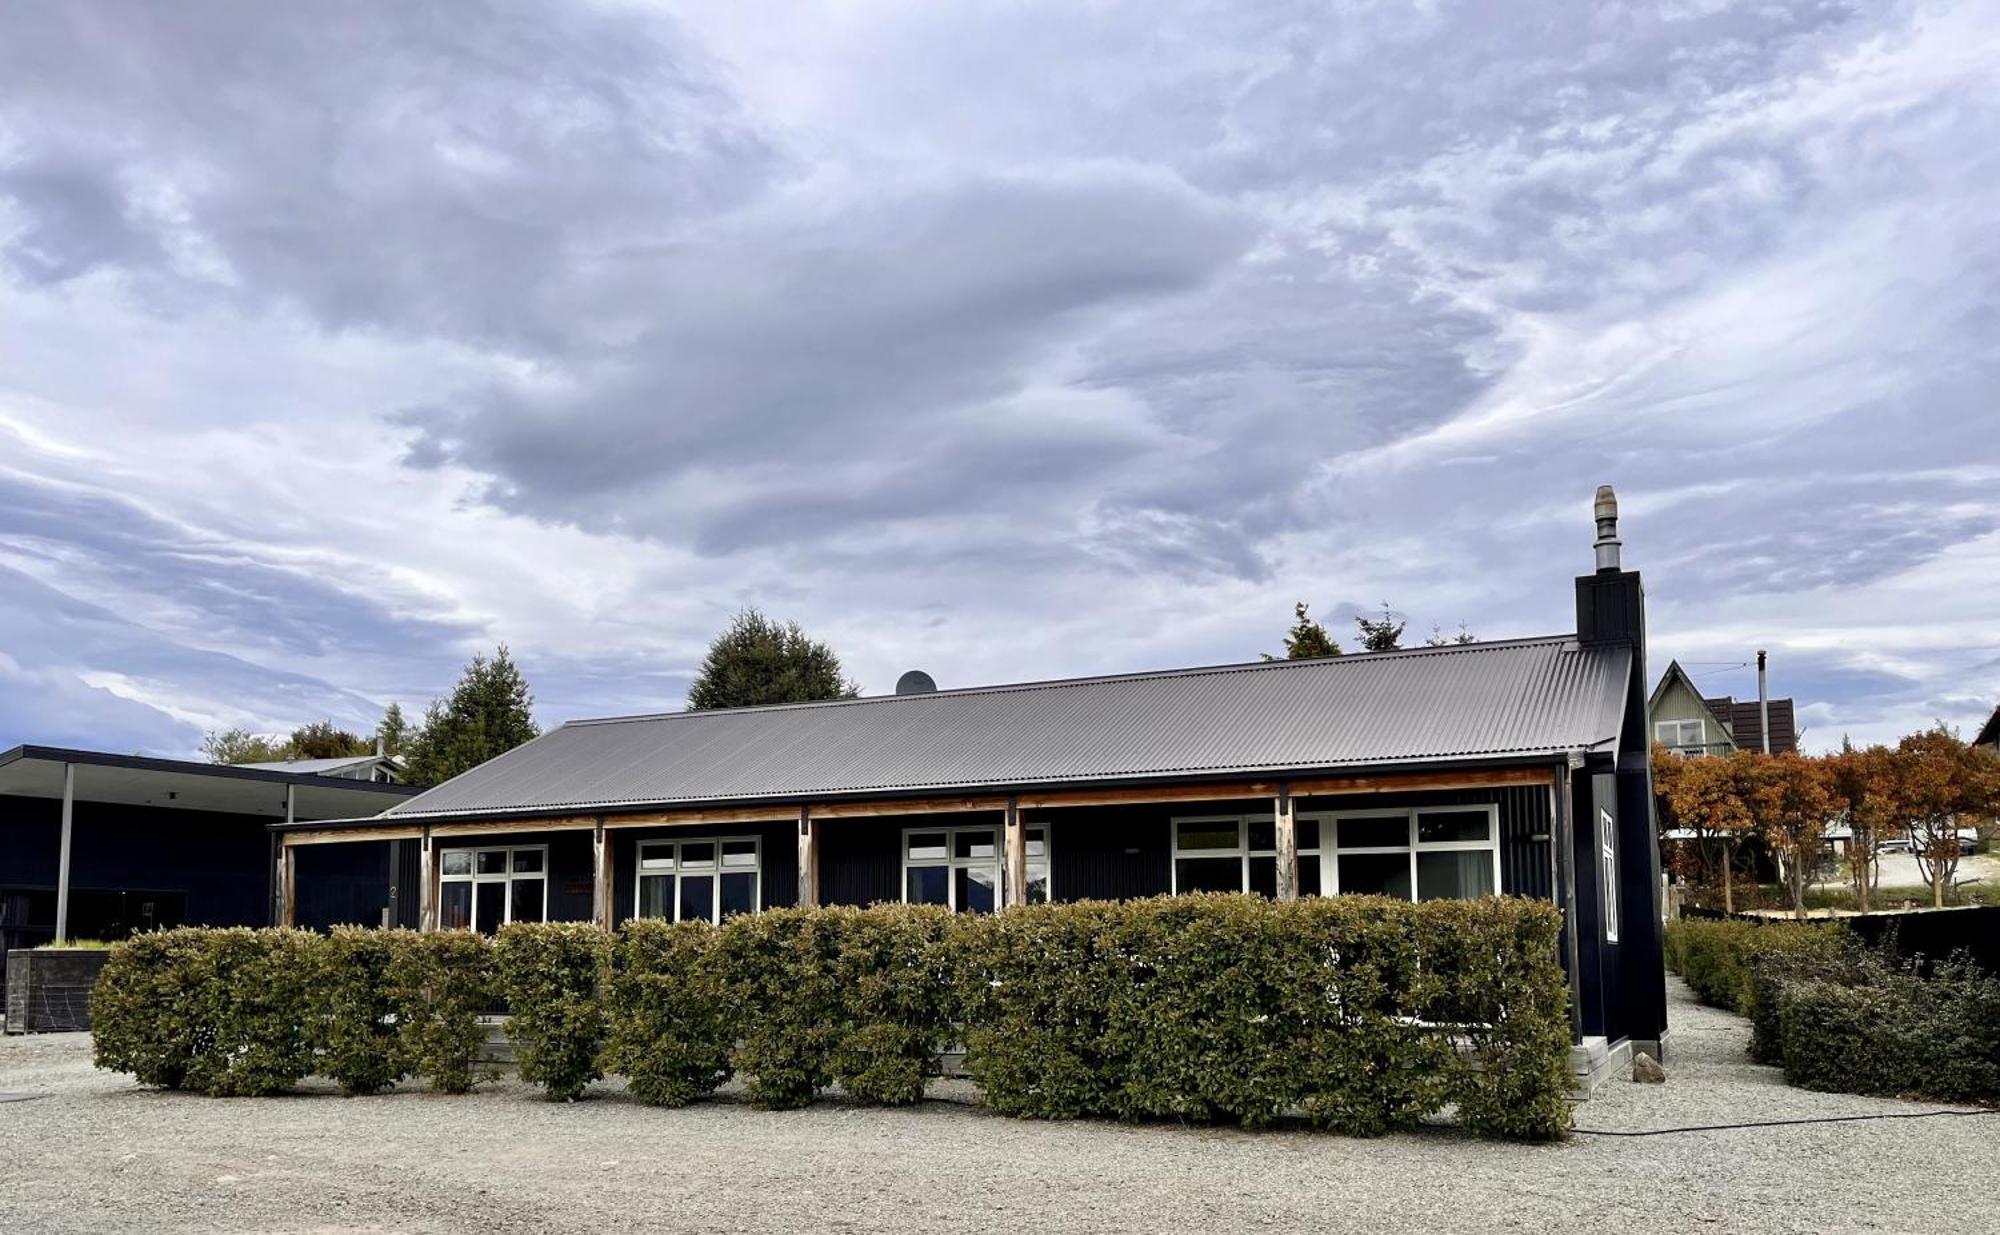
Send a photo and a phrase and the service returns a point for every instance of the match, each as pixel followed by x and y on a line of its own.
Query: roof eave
pixel 188 767
pixel 1220 778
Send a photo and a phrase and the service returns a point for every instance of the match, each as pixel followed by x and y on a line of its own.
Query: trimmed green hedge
pixel 222 1012
pixel 1350 1010
pixel 359 1030
pixel 1361 1014
pixel 1717 956
pixel 553 976
pixel 1845 1018
pixel 1874 1027
pixel 441 984
pixel 673 1023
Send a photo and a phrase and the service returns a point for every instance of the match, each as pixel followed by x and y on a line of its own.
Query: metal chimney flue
pixel 1608 545
pixel 1763 703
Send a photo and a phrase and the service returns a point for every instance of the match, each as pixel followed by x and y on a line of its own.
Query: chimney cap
pixel 1605 511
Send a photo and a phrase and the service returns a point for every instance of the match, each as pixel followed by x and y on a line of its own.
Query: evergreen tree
pixel 322 740
pixel 241 746
pixel 1382 635
pixel 1307 639
pixel 394 731
pixel 488 713
pixel 1439 639
pixel 758 661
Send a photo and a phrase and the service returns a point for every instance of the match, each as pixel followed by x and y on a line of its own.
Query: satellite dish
pixel 915 682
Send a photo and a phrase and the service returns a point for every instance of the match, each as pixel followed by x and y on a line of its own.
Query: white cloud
pixel 1008 340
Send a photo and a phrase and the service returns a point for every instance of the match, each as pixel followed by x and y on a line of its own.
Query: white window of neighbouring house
pixel 964 868
pixel 1607 832
pixel 1422 853
pixel 704 879
pixel 1239 853
pixel 488 887
pixel 1683 737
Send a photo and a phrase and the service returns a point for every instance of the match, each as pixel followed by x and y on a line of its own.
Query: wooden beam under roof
pixel 1110 795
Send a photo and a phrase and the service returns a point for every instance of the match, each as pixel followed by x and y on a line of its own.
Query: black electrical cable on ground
pixel 1779 1123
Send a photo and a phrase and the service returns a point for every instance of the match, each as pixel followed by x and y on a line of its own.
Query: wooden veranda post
pixel 288 887
pixel 808 860
pixel 427 888
pixel 1287 845
pixel 1016 890
pixel 600 887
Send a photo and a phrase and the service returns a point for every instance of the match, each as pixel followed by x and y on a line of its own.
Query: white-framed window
pixel 1607 837
pixel 488 886
pixel 964 868
pixel 1420 853
pixel 1239 853
pixel 1683 737
pixel 702 879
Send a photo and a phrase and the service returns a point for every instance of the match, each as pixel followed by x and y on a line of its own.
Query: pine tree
pixel 1307 639
pixel 488 713
pixel 1438 639
pixel 1382 635
pixel 394 731
pixel 757 661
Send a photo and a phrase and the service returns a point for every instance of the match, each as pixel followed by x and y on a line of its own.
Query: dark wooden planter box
pixel 48 989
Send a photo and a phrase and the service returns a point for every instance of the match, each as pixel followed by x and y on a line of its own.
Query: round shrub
pixel 673 1020
pixel 1034 983
pixel 553 975
pixel 893 971
pixel 782 970
pixel 143 1007
pixel 441 984
pixel 355 1011
pixel 249 997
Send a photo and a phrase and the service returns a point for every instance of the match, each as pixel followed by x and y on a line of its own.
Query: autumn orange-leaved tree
pixel 1701 795
pixel 1943 785
pixel 1867 787
pixel 1792 800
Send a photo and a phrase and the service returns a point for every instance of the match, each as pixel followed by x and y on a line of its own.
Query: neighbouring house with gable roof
pixel 1989 733
pixel 1517 767
pixel 1690 724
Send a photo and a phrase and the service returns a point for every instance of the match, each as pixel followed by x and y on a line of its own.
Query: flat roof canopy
pixel 178 784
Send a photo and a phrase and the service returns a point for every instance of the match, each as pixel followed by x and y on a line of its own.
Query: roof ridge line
pixel 996 688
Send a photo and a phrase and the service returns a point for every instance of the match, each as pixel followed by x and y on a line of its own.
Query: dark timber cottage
pixel 1517 766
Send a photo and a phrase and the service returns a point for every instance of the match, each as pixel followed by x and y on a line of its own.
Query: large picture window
pixel 1424 853
pixel 486 888
pixel 702 880
pixel 1239 853
pixel 964 868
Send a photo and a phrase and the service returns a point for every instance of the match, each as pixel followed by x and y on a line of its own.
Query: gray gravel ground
pixel 93 1153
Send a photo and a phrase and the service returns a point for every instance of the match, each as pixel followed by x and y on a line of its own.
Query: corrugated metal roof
pixel 310 767
pixel 1429 705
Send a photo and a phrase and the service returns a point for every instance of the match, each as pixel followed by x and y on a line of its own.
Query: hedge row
pixel 1717 956
pixel 1360 1014
pixel 241 1012
pixel 1843 1017
pixel 1869 1025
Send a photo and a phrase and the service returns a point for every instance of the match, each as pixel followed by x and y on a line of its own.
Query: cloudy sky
pixel 1006 340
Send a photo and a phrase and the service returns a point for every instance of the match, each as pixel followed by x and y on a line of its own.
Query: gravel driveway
pixel 93 1153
